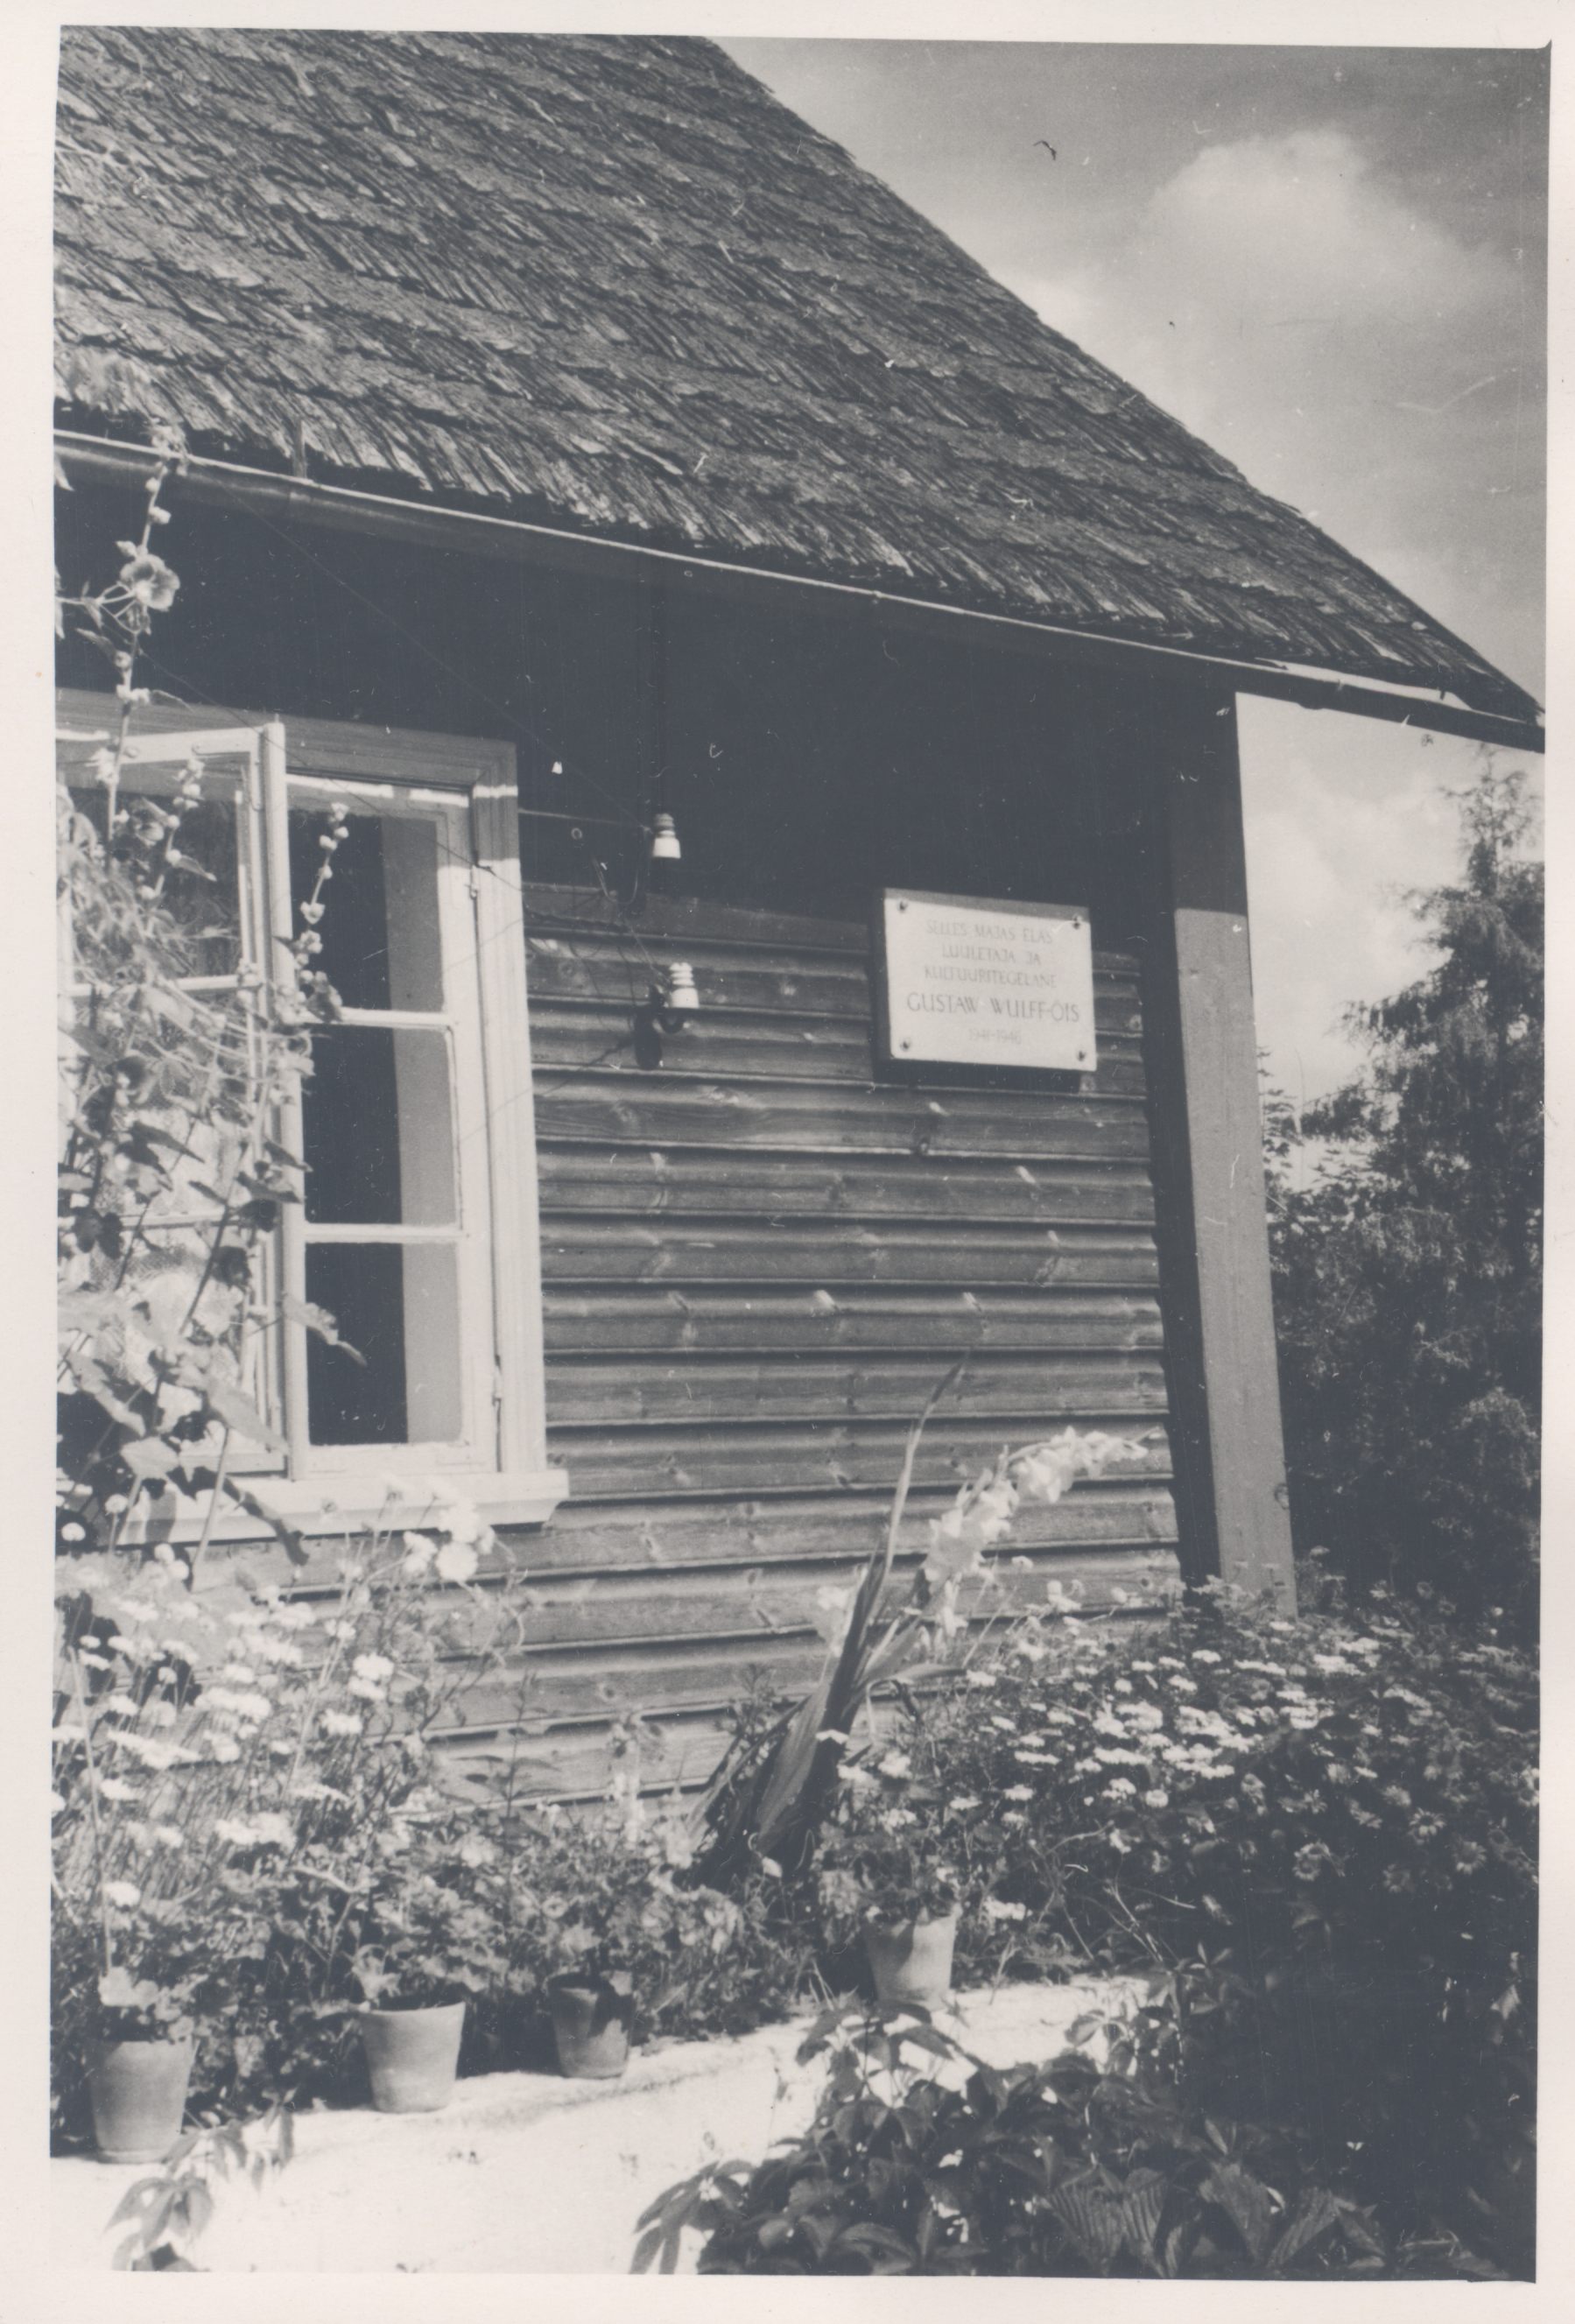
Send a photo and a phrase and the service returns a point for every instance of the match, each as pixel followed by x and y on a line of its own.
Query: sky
pixel 1331 263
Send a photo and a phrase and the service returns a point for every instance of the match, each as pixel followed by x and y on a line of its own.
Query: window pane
pixel 201 883
pixel 379 931
pixel 377 1123
pixel 398 1306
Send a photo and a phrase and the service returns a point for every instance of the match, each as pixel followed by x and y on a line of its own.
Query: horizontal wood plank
pixel 933 1326
pixel 718 1042
pixel 606 1462
pixel 697 1391
pixel 701 1181
pixel 663 1109
pixel 567 971
pixel 577 1249
pixel 609 1681
pixel 779 1598
pixel 586 1538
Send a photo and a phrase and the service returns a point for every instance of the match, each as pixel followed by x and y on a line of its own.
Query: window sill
pixel 348 1505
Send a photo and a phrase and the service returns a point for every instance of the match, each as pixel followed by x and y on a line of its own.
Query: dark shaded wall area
pixel 806 756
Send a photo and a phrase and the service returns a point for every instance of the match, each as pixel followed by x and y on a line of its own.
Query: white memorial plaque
pixel 971 981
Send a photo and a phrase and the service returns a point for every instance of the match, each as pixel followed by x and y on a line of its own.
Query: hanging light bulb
pixel 664 841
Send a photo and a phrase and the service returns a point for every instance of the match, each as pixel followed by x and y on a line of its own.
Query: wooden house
pixel 578 439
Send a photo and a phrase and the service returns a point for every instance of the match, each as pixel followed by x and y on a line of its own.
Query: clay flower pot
pixel 590 2024
pixel 912 1964
pixel 138 2090
pixel 412 2056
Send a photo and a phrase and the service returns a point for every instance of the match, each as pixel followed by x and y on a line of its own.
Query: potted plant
pixel 423 1943
pixel 139 2066
pixel 610 1936
pixel 887 1873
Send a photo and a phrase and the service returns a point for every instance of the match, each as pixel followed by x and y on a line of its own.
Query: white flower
pixel 1205 1655
pixel 341 1722
pixel 368 1690
pixel 234 1832
pixel 980 1677
pixel 995 1909
pixel 1157 1798
pixel 456 1561
pixel 1120 1787
pixel 372 1666
pixel 1018 1792
pixel 223 1747
pixel 895 1763
pixel 962 1803
pixel 419 1551
pixel 1123 1686
pixel 115 1787
pixel 125 1894
pixel 169 1835
pixel 274 1831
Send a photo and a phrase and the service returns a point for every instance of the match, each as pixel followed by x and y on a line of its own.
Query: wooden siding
pixel 757 1260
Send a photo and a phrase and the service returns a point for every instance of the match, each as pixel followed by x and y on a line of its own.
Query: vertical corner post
pixel 1208 1159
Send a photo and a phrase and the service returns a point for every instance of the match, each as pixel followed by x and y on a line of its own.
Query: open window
pixel 418 1232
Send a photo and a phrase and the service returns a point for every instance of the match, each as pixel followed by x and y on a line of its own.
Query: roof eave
pixel 103 460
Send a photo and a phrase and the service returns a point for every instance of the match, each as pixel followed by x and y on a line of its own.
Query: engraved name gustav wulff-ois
pixel 974 982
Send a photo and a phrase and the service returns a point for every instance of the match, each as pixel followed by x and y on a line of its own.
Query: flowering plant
pixel 1320 1831
pixel 602 1902
pixel 887 1856
pixel 773 1790
pixel 236 1773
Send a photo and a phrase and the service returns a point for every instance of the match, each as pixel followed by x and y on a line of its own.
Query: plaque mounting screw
pixel 901 905
pixel 908 1045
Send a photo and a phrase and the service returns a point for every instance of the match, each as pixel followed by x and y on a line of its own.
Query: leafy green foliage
pixel 1321 1832
pixel 1407 1273
pixel 773 1790
pixel 174 2207
pixel 171 1179
pixel 924 2161
pixel 248 1839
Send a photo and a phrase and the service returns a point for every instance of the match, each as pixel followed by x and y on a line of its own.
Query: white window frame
pixel 500 1461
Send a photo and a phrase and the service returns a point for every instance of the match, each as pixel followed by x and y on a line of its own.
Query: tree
pixel 1407 1275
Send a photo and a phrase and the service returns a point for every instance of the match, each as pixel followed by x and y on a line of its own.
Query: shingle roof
pixel 612 282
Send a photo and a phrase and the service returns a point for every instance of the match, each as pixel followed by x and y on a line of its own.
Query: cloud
pixel 1352 355
pixel 1362 362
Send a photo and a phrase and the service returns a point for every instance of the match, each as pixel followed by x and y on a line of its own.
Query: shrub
pixel 1057 2170
pixel 601 1896
pixel 1323 1833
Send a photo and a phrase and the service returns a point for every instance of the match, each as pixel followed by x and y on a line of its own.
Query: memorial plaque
pixel 972 982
